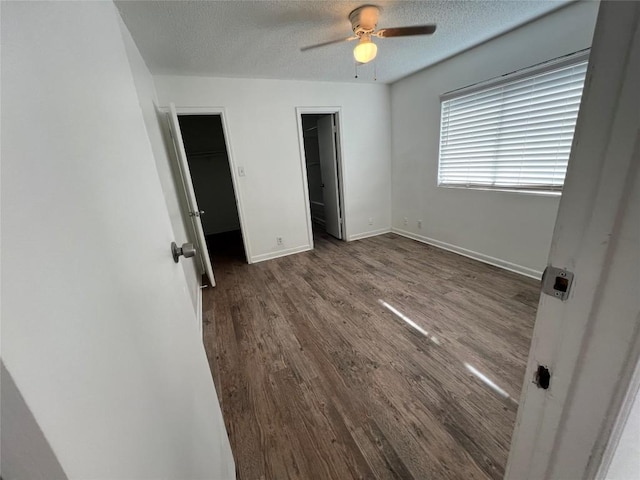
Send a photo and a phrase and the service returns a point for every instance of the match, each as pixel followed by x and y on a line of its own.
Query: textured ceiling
pixel 262 39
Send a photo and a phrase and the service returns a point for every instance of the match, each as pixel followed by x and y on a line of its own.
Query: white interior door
pixel 329 171
pixel 192 202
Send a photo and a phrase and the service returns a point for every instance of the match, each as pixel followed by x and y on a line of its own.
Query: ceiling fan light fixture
pixel 365 51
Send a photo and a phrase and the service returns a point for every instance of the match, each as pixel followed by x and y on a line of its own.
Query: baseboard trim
pixel 280 253
pixel 496 262
pixel 371 233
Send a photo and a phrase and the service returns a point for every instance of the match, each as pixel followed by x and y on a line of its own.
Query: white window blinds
pixel 515 135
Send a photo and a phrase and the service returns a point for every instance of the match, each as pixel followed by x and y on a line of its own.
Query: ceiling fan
pixel 364 21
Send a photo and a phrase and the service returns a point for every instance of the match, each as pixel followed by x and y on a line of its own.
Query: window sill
pixel 537 193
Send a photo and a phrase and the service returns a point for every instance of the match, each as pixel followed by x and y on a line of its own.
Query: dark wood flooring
pixel 320 377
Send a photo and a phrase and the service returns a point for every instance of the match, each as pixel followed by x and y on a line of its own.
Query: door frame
pixel 190 194
pixel 337 112
pixel 232 164
pixel 569 429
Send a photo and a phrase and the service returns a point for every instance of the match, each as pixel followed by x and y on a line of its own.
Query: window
pixel 514 133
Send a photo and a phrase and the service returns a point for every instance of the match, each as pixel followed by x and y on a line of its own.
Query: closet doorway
pixel 209 169
pixel 321 143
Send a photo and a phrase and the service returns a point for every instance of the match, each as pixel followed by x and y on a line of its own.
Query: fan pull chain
pixel 355 66
pixel 375 71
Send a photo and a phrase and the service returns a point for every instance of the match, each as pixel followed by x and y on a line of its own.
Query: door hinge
pixel 557 282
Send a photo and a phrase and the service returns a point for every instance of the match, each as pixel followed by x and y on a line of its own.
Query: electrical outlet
pixel 279 240
pixel 370 220
pixel 419 223
pixel 406 221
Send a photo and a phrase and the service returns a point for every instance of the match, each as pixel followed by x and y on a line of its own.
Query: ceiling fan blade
pixel 406 31
pixel 330 42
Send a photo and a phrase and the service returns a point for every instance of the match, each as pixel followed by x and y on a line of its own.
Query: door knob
pixel 187 250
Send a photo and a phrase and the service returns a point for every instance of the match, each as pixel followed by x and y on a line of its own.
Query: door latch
pixel 557 282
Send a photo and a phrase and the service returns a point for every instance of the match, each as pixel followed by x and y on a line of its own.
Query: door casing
pixel 232 164
pixel 590 342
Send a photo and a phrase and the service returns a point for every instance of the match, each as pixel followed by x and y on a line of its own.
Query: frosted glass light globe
pixel 365 51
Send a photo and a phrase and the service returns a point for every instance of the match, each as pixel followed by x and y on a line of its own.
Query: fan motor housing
pixel 364 20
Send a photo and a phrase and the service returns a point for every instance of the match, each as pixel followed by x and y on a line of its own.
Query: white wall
pixel 25 452
pixel 263 138
pixel 164 155
pixel 625 464
pixel 508 229
pixel 97 328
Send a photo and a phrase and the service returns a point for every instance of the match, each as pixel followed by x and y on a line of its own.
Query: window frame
pixel 541 68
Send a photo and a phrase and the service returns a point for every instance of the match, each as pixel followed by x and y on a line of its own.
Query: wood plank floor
pixel 320 375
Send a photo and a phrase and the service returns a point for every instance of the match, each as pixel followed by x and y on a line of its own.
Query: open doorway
pixel 324 180
pixel 208 159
